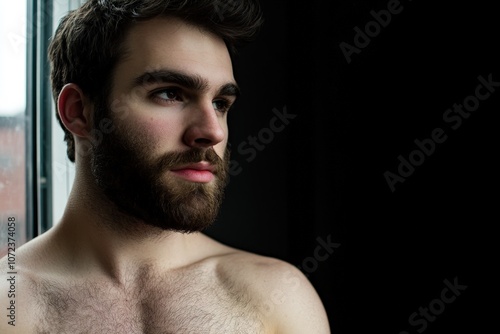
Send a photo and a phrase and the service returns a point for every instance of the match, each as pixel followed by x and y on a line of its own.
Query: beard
pixel 142 188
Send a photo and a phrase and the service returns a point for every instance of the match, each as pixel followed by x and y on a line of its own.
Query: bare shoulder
pixel 16 288
pixel 283 294
pixel 14 299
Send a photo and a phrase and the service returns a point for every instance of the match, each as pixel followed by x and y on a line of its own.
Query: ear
pixel 74 110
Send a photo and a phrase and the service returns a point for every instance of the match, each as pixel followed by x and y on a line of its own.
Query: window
pixel 13 161
pixel 63 170
pixel 35 174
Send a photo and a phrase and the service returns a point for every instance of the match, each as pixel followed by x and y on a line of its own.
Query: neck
pixel 96 237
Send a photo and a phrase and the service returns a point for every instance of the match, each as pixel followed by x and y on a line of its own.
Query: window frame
pixel 38 127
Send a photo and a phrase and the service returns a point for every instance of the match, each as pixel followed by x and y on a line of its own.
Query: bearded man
pixel 142 90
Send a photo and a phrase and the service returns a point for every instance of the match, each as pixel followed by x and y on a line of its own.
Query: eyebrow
pixel 192 82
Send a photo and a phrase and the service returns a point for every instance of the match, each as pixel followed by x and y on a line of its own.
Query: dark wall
pixel 324 174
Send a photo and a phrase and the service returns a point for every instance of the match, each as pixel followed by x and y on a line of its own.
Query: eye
pixel 222 105
pixel 167 95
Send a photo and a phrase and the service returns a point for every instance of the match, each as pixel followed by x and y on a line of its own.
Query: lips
pixel 202 172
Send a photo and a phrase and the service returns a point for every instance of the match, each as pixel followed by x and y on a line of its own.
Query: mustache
pixel 173 160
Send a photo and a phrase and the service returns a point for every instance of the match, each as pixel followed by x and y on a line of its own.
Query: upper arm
pixel 301 309
pixel 289 301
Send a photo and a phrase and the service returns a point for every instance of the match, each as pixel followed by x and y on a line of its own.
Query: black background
pixel 323 175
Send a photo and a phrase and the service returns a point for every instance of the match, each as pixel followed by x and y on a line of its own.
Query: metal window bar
pixel 39 171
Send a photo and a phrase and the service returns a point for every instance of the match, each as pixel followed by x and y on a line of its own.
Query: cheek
pixel 220 148
pixel 155 133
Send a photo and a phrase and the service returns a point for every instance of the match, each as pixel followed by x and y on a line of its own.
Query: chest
pixel 179 306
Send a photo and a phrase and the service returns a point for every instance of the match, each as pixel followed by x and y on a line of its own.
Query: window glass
pixel 63 170
pixel 13 38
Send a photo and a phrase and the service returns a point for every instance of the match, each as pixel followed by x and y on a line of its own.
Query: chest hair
pixel 195 301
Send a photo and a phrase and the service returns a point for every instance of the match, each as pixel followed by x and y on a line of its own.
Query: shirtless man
pixel 142 90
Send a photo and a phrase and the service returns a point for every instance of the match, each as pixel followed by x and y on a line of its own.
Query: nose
pixel 205 127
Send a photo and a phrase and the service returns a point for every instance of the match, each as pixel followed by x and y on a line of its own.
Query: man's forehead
pixel 172 35
pixel 159 48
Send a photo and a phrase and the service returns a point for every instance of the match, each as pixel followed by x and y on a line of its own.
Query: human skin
pixel 147 279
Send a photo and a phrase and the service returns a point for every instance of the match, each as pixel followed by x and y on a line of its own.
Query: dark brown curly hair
pixel 87 44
